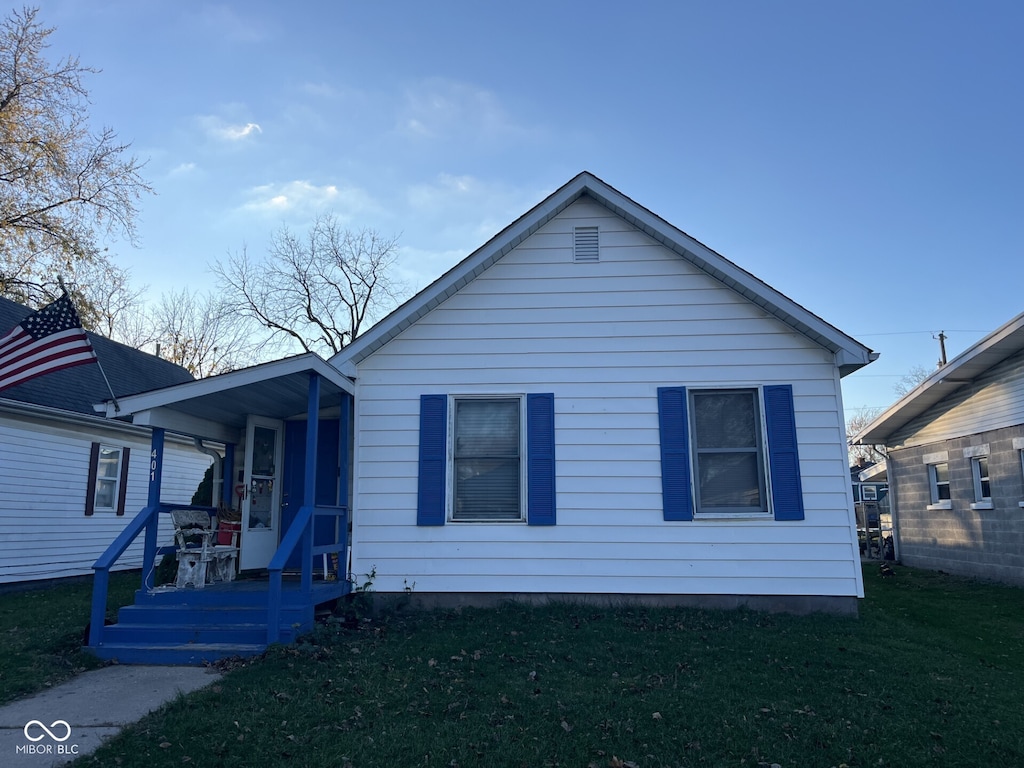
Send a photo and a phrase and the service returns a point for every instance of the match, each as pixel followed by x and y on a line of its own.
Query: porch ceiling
pixel 277 390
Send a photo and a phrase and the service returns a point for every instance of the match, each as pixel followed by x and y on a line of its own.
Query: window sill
pixel 484 521
pixel 940 505
pixel 982 505
pixel 718 516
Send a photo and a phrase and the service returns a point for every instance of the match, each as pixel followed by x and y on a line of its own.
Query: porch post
pixel 156 471
pixel 344 457
pixel 312 436
pixel 309 491
pixel 344 444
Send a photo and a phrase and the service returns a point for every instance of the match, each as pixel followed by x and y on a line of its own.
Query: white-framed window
pixel 487 467
pixel 108 473
pixel 870 492
pixel 982 483
pixel 728 451
pixel 1020 455
pixel 108 476
pixel 938 484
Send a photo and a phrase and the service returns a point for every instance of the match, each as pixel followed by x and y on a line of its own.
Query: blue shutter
pixel 540 459
pixel 433 459
pixel 783 457
pixel 676 490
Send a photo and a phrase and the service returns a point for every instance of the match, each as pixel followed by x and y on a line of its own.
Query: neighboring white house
pixel 596 404
pixel 70 479
pixel 955 447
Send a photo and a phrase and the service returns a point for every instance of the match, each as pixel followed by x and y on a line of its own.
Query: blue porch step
pixel 198 626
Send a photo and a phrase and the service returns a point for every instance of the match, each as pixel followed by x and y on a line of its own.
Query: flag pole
pixel 110 389
pixel 117 406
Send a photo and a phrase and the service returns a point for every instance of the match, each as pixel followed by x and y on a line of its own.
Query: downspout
pixel 218 478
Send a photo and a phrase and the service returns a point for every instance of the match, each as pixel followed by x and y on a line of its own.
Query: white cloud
pixel 446 109
pixel 299 198
pixel 235 132
pixel 182 169
pixel 220 129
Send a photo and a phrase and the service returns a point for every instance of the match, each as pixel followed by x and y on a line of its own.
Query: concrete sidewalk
pixel 74 718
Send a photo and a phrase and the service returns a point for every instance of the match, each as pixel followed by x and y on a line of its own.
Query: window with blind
pixel 487 456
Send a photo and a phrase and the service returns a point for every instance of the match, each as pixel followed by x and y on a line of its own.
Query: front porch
pixel 291 419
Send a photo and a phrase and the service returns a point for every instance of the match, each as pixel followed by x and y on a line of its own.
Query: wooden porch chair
pixel 201 559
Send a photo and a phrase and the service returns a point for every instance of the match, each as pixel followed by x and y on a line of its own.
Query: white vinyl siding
pixel 602 340
pixel 45 468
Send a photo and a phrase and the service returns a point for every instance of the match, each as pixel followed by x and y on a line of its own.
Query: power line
pixel 914 333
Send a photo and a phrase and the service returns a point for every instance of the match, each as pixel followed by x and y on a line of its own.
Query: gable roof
pixel 77 389
pixel 964 369
pixel 850 354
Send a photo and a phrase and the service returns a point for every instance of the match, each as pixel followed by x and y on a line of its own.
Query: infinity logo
pixel 47 731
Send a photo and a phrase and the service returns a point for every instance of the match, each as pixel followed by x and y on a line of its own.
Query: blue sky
pixel 864 158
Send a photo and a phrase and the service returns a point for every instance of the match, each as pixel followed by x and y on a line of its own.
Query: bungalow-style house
pixel 71 479
pixel 593 405
pixel 955 463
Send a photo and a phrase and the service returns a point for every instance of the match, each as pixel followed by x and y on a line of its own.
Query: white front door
pixel 261 507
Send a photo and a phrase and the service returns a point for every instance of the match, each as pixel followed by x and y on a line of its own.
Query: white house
pixel 596 404
pixel 593 406
pixel 70 479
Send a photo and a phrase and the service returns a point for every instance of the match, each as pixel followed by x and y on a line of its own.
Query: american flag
pixel 49 340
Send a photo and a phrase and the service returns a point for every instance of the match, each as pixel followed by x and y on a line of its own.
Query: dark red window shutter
pixel 90 485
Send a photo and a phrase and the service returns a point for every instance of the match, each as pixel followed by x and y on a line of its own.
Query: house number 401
pixel 152 466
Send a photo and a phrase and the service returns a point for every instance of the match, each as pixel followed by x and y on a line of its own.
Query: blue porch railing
pixel 301 532
pixel 147 520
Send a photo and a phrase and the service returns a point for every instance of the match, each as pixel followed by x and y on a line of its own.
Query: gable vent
pixel 585 244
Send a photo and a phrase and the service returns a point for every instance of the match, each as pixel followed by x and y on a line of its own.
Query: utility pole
pixel 942 347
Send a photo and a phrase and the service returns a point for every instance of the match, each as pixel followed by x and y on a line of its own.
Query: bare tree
pixel 854 425
pixel 109 303
pixel 202 333
pixel 318 290
pixel 911 379
pixel 62 185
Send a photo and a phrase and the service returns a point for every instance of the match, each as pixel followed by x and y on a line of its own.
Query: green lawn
pixel 929 675
pixel 42 631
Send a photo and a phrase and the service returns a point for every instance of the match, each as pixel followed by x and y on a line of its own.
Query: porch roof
pixel 217 407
